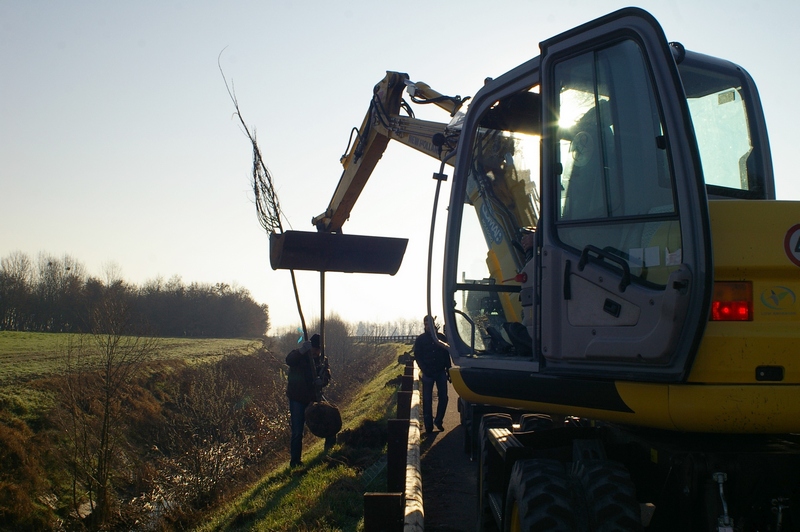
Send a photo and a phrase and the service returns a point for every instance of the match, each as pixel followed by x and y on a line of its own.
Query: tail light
pixel 732 301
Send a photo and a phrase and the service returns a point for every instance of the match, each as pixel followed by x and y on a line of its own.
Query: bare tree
pixel 338 341
pixel 112 273
pixel 99 369
pixel 207 434
pixel 285 340
pixel 16 285
pixel 58 286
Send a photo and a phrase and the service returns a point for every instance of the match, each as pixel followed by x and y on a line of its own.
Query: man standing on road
pixel 308 374
pixel 433 362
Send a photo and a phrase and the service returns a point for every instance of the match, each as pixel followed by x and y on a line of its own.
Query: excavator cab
pixel 580 276
pixel 616 274
pixel 608 274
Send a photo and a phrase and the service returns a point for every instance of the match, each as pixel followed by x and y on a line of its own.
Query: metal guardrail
pixel 414 520
pixel 386 339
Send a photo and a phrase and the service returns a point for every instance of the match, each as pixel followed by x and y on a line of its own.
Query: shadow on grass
pixel 339 506
pixel 327 493
pixel 263 500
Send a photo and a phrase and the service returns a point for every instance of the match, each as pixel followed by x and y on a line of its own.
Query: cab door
pixel 626 270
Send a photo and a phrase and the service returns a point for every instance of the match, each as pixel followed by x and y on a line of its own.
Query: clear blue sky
pixel 118 144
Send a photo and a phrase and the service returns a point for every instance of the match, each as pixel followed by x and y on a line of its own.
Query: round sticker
pixel 791 244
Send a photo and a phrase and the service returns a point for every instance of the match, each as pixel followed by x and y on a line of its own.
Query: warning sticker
pixel 791 244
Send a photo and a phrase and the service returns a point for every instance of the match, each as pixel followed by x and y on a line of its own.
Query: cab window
pixel 501 210
pixel 717 103
pixel 616 186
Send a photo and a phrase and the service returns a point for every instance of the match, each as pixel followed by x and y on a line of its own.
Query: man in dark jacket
pixel 433 362
pixel 308 374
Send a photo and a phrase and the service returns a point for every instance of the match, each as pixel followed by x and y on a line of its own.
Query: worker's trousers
pixel 297 413
pixel 440 380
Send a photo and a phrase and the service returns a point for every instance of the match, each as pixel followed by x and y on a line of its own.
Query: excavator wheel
pixel 610 496
pixel 540 498
pixel 530 422
pixel 485 519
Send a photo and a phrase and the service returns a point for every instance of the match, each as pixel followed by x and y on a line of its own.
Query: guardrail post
pixel 383 512
pixel 404 405
pixel 396 453
pixel 404 477
pixel 407 383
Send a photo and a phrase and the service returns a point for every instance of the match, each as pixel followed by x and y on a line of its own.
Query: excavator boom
pixel 382 123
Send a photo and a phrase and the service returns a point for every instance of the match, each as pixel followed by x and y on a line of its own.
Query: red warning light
pixel 732 302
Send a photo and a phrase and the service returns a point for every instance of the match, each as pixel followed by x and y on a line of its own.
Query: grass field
pixel 25 357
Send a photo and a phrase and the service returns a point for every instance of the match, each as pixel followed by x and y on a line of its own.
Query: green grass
pixel 327 493
pixel 25 357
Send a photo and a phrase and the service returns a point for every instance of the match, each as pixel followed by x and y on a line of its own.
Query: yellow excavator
pixel 620 284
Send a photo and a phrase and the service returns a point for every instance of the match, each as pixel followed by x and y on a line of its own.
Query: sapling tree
pixel 99 367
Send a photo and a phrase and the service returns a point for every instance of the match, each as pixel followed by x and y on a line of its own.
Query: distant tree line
pixel 396 327
pixel 53 294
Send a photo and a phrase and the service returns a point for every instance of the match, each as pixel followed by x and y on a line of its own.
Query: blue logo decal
pixel 492 229
pixel 778 298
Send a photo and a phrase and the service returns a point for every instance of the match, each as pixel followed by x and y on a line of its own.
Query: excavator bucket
pixel 333 252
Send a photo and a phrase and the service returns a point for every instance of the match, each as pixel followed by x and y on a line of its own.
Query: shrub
pixel 21 477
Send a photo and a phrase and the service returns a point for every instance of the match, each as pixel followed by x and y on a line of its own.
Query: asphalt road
pixel 449 478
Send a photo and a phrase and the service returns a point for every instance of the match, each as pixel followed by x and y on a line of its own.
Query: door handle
pixel 603 255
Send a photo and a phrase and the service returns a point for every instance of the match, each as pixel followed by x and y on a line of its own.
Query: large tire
pixel 533 422
pixel 610 496
pixel 539 498
pixel 485 519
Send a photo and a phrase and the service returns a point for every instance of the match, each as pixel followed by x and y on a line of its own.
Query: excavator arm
pixel 328 249
pixel 382 123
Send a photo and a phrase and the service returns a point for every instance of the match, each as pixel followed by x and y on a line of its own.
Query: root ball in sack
pixel 323 419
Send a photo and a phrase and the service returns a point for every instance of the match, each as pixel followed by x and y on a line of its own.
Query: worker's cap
pixel 315 341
